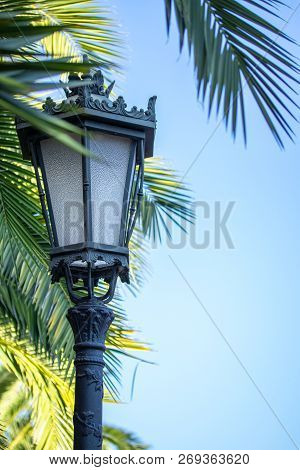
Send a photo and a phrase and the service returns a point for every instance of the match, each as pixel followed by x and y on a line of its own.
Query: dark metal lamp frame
pixel 88 106
pixel 116 257
pixel 92 110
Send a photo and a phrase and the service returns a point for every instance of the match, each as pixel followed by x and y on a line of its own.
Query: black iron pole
pixel 90 320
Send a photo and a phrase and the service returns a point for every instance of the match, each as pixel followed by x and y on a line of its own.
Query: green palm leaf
pixel 232 45
pixel 61 30
pixel 18 418
pixel 3 441
pixel 64 28
pixel 167 202
pixel 118 439
pixel 16 414
pixel 94 33
pixel 52 397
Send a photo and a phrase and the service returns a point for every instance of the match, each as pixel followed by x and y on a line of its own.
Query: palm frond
pixel 3 440
pixel 118 439
pixel 94 32
pixel 16 414
pixel 63 28
pixel 62 31
pixel 13 401
pixel 18 420
pixel 6 381
pixel 21 435
pixel 18 77
pixel 139 265
pixel 233 44
pixel 53 399
pixel 167 202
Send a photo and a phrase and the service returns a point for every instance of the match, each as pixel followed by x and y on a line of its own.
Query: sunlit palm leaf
pixel 16 414
pixel 62 30
pixel 95 32
pixel 3 441
pixel 139 265
pixel 65 28
pixel 17 418
pixel 21 435
pixel 52 397
pixel 233 43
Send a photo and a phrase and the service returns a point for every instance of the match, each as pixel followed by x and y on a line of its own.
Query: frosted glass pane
pixel 63 168
pixel 108 177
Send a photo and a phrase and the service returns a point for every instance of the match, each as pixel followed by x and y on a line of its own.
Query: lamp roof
pixel 90 99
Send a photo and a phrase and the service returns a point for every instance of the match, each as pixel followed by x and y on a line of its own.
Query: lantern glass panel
pixel 63 169
pixel 112 171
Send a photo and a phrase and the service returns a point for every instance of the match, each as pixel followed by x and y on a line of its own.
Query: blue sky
pixel 223 323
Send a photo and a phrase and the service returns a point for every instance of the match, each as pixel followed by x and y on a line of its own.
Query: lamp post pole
pixel 90 321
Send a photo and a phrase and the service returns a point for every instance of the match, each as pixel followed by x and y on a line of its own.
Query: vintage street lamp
pixel 90 206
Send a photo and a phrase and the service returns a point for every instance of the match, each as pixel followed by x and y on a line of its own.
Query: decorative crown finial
pixel 89 91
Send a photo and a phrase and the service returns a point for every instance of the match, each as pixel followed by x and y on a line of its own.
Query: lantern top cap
pixel 87 97
pixel 91 93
